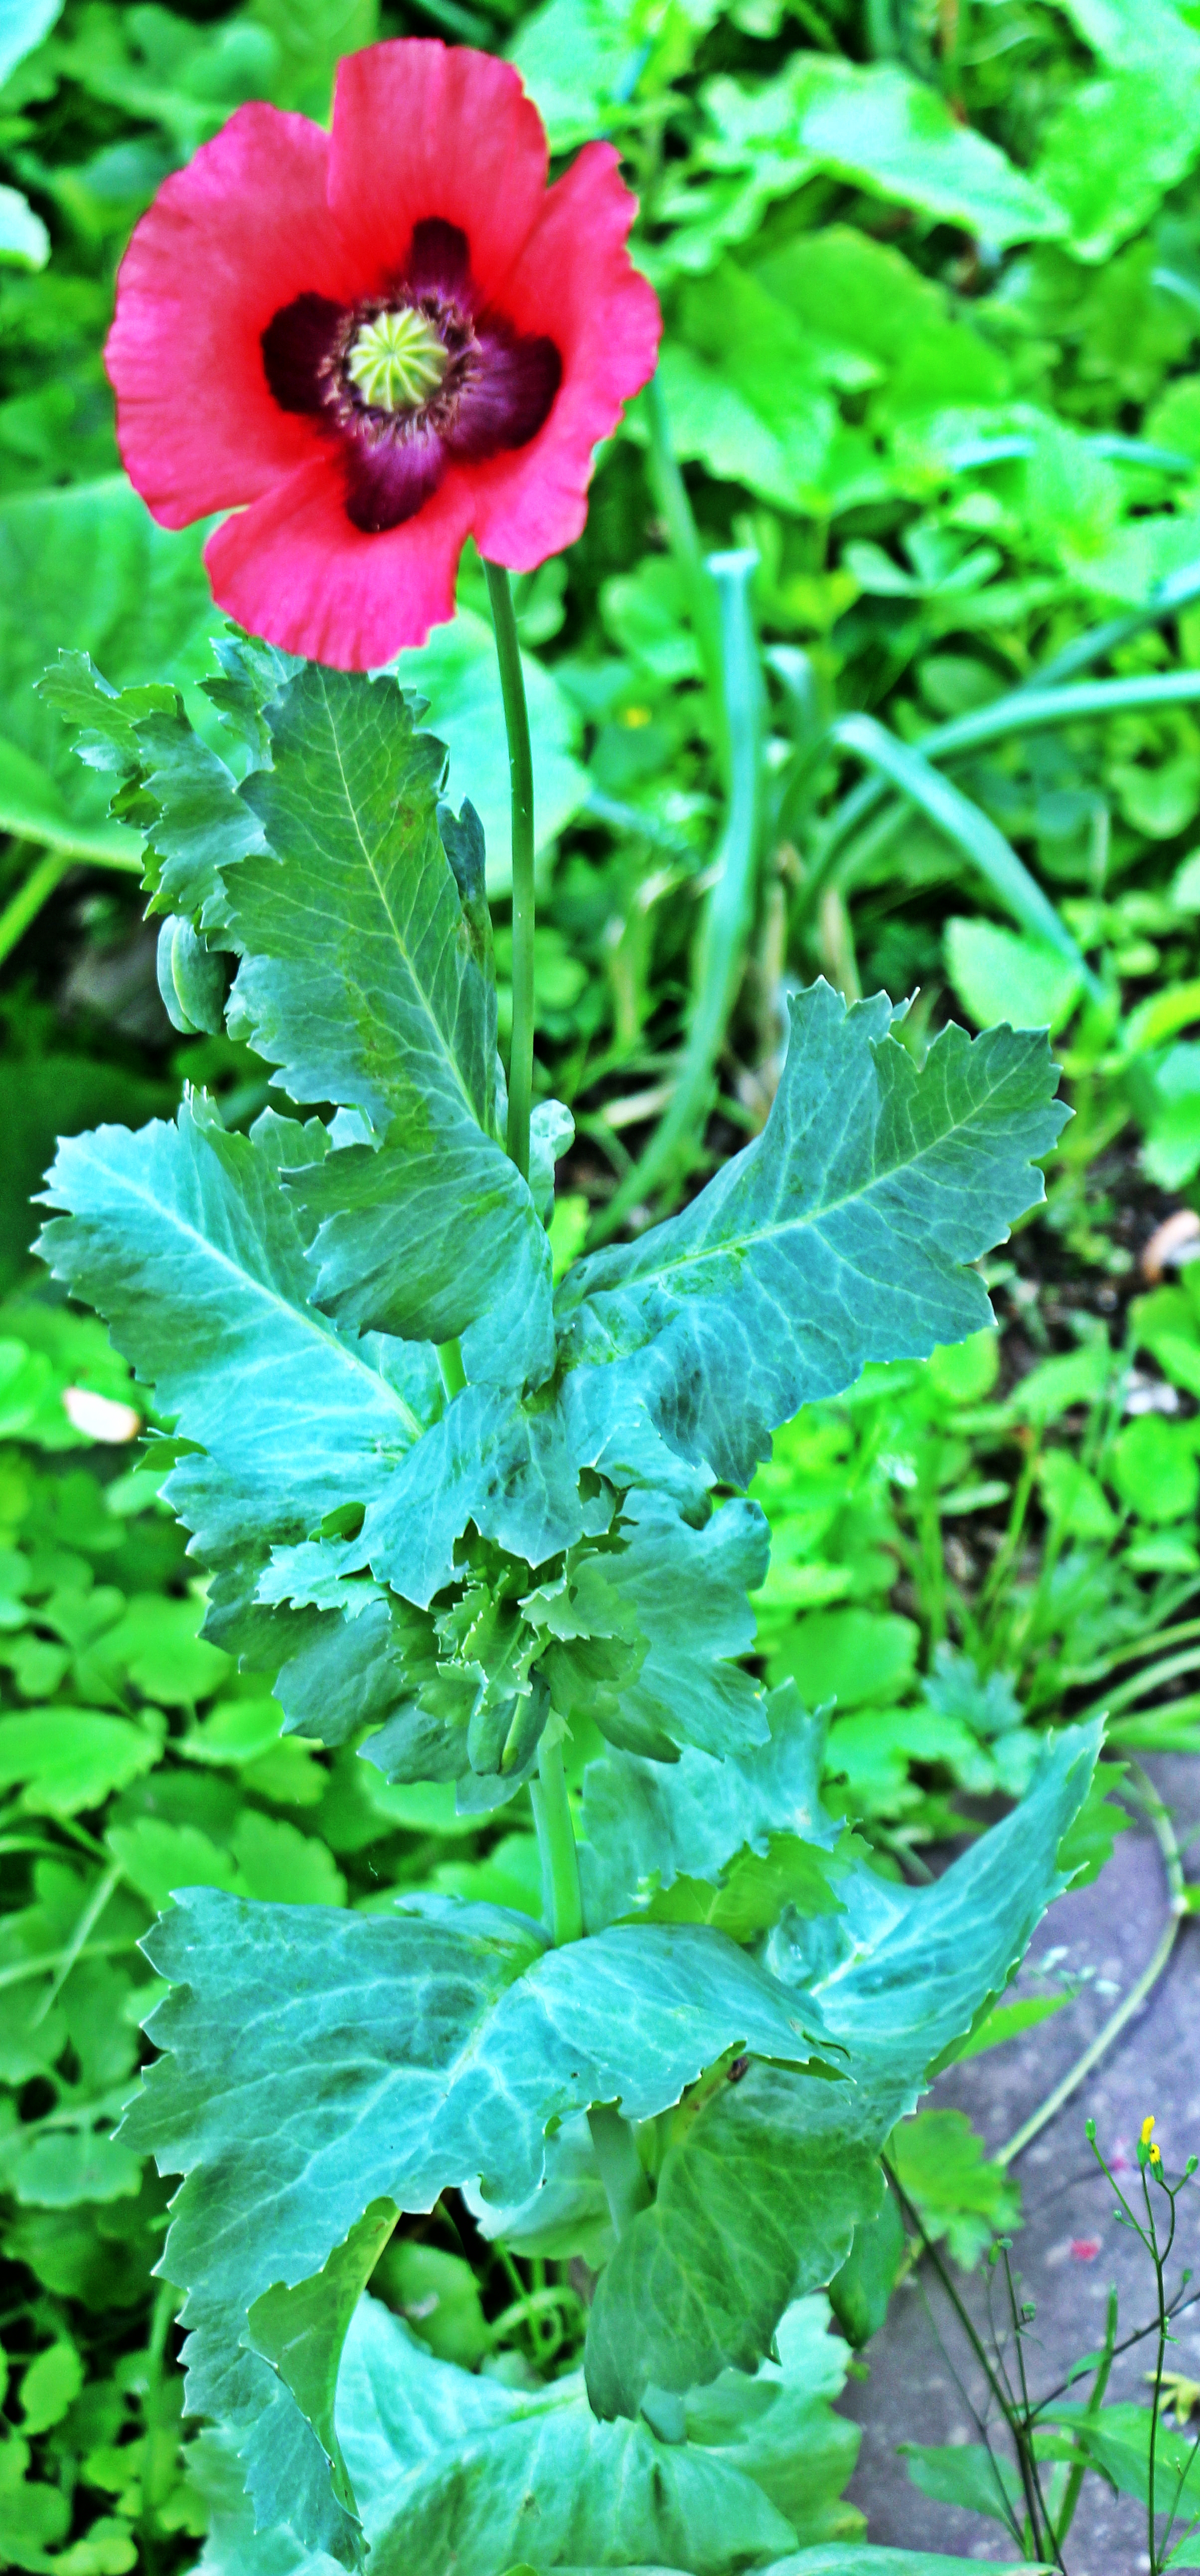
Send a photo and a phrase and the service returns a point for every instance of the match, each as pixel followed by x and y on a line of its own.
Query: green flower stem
pixel 520 768
pixel 1074 2487
pixel 621 2169
pixel 556 1844
pixel 450 1362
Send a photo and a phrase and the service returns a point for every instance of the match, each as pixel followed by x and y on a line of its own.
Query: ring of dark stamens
pixel 495 395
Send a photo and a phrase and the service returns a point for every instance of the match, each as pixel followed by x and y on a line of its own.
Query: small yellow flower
pixel 1147 2131
pixel 1155 2156
pixel 636 717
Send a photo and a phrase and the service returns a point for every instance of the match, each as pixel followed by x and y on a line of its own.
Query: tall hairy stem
pixel 520 770
pixel 563 1902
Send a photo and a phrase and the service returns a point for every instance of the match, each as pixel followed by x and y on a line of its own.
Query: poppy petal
pixel 291 568
pixel 425 130
pixel 506 400
pixel 576 283
pixel 439 261
pixel 298 346
pixel 228 241
pixel 390 472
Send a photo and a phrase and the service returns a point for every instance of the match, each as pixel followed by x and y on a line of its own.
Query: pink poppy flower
pixel 371 343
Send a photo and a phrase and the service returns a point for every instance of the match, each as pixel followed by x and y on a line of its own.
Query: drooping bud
pixel 397 361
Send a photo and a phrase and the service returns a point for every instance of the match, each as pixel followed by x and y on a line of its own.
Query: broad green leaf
pixel 88 561
pixel 779 2427
pixel 310 38
pixel 754 1890
pixel 1152 36
pixel 943 2169
pixel 33 808
pixel 503 1464
pixel 301 2332
pixel 1117 2442
pixel 687 1589
pixel 49 2385
pixel 1115 148
pixel 433 1241
pixel 761 354
pixel 24 239
pixel 714 420
pixel 760 2191
pixel 23 24
pixel 999 976
pixel 892 135
pixel 456 2470
pixel 841 1235
pixel 456 671
pixel 35 2514
pixel 182 1238
pixel 1007 2021
pixel 861 2290
pixel 874 322
pixel 852 1657
pixel 359 979
pixel 401 2055
pixel 72 1759
pixel 966 2475
pixel 463 2473
pixel 650 1823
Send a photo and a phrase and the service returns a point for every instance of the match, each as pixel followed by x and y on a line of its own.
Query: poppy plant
pixel 368 344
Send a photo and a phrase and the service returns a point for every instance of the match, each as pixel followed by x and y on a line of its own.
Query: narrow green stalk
pixel 1074 2486
pixel 967 2323
pixel 730 905
pixel 1152 1678
pixel 671 495
pixel 1133 2001
pixel 1041 2527
pixel 450 1362
pixel 1160 2357
pixel 24 906
pixel 54 1958
pixel 88 1919
pixel 621 2169
pixel 563 1903
pixel 160 2432
pixel 520 770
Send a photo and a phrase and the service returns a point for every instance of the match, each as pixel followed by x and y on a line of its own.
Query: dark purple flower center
pixel 490 387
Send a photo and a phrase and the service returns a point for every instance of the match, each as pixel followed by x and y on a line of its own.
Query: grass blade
pixel 971 830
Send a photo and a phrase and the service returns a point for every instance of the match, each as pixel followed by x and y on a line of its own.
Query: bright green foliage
pixel 481 1571
pixel 844 1231
pixel 695 2286
pixel 928 441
